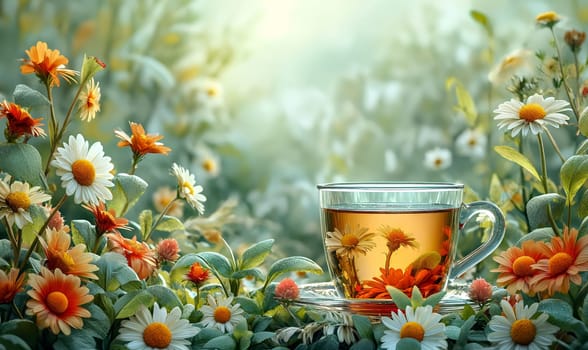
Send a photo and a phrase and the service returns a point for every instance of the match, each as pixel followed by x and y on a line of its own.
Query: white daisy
pixel 350 241
pixel 160 330
pixel 534 115
pixel 187 188
pixel 438 158
pixel 517 63
pixel 471 143
pixel 85 171
pixel 519 330
pixel 344 329
pixel 16 199
pixel 220 314
pixel 420 323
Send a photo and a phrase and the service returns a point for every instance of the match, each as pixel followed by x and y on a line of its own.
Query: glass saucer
pixel 324 296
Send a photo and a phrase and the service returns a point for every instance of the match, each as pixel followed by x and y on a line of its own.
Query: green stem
pixel 554 143
pixel 544 181
pixel 53 126
pixel 523 187
pixel 159 218
pixel 38 236
pixel 60 131
pixel 13 241
pixel 564 78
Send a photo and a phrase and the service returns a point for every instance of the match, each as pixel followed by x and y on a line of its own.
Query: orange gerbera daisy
pixel 139 256
pixel 106 220
pixel 427 280
pixel 20 122
pixel 197 274
pixel 47 64
pixel 141 143
pixel 396 238
pixel 10 284
pixel 74 261
pixel 56 301
pixel 565 258
pixel 516 267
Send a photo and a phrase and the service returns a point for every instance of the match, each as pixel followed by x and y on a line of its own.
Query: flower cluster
pixel 111 281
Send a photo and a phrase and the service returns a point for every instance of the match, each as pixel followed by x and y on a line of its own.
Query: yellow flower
pixel 16 199
pixel 547 19
pixel 89 101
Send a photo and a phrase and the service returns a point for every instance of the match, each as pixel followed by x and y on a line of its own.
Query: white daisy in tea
pixel 157 330
pixel 16 199
pixel 532 115
pixel 520 329
pixel 85 171
pixel 350 241
pixel 219 313
pixel 188 189
pixel 420 324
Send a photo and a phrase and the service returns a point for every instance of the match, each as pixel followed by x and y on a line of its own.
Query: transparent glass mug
pixel 400 234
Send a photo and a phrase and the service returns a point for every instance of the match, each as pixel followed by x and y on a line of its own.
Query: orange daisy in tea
pixel 396 238
pixel 56 301
pixel 565 258
pixel 427 280
pixel 10 284
pixel 139 256
pixel 47 64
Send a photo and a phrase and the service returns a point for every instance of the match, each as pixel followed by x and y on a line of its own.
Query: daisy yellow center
pixel 209 165
pixel 157 335
pixel 18 200
pixel 522 332
pixel 57 302
pixel 531 112
pixel 222 314
pixel 188 186
pixel 522 266
pixel 83 172
pixel 349 240
pixel 412 330
pixel 559 263
pixel 472 142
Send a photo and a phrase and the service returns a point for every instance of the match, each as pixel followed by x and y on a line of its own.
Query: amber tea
pixel 403 248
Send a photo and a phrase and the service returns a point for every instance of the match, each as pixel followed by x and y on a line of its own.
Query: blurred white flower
pixel 518 62
pixel 438 158
pixel 209 92
pixel 471 143
pixel 390 161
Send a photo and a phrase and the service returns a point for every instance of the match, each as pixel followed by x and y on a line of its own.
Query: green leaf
pixel 465 330
pixel 98 324
pixel 169 224
pixel 128 304
pixel 225 342
pixel 30 230
pixel 126 192
pixel 400 299
pixel 583 207
pixel 12 342
pixel 583 148
pixel 78 339
pixel 363 344
pixel 538 209
pixel 216 262
pixel 28 98
pixel 145 221
pixel 291 264
pixel 165 297
pixel 257 273
pixel 256 254
pixel 23 162
pixel 452 332
pixel 83 232
pixel 114 271
pixel 408 344
pixel 561 314
pixel 363 325
pixel 466 104
pixel 515 156
pixel 24 329
pixel 90 66
pixel 248 305
pixel 482 19
pixel 573 174
pixel 434 299
pixel 260 337
pixel 540 234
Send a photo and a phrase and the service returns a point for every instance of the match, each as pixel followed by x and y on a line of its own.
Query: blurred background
pixel 264 99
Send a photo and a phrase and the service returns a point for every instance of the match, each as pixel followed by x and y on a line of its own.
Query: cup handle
pixel 469 211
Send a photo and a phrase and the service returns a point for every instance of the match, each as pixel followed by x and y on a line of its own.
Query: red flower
pixel 197 274
pixel 106 220
pixel 20 123
pixel 287 289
